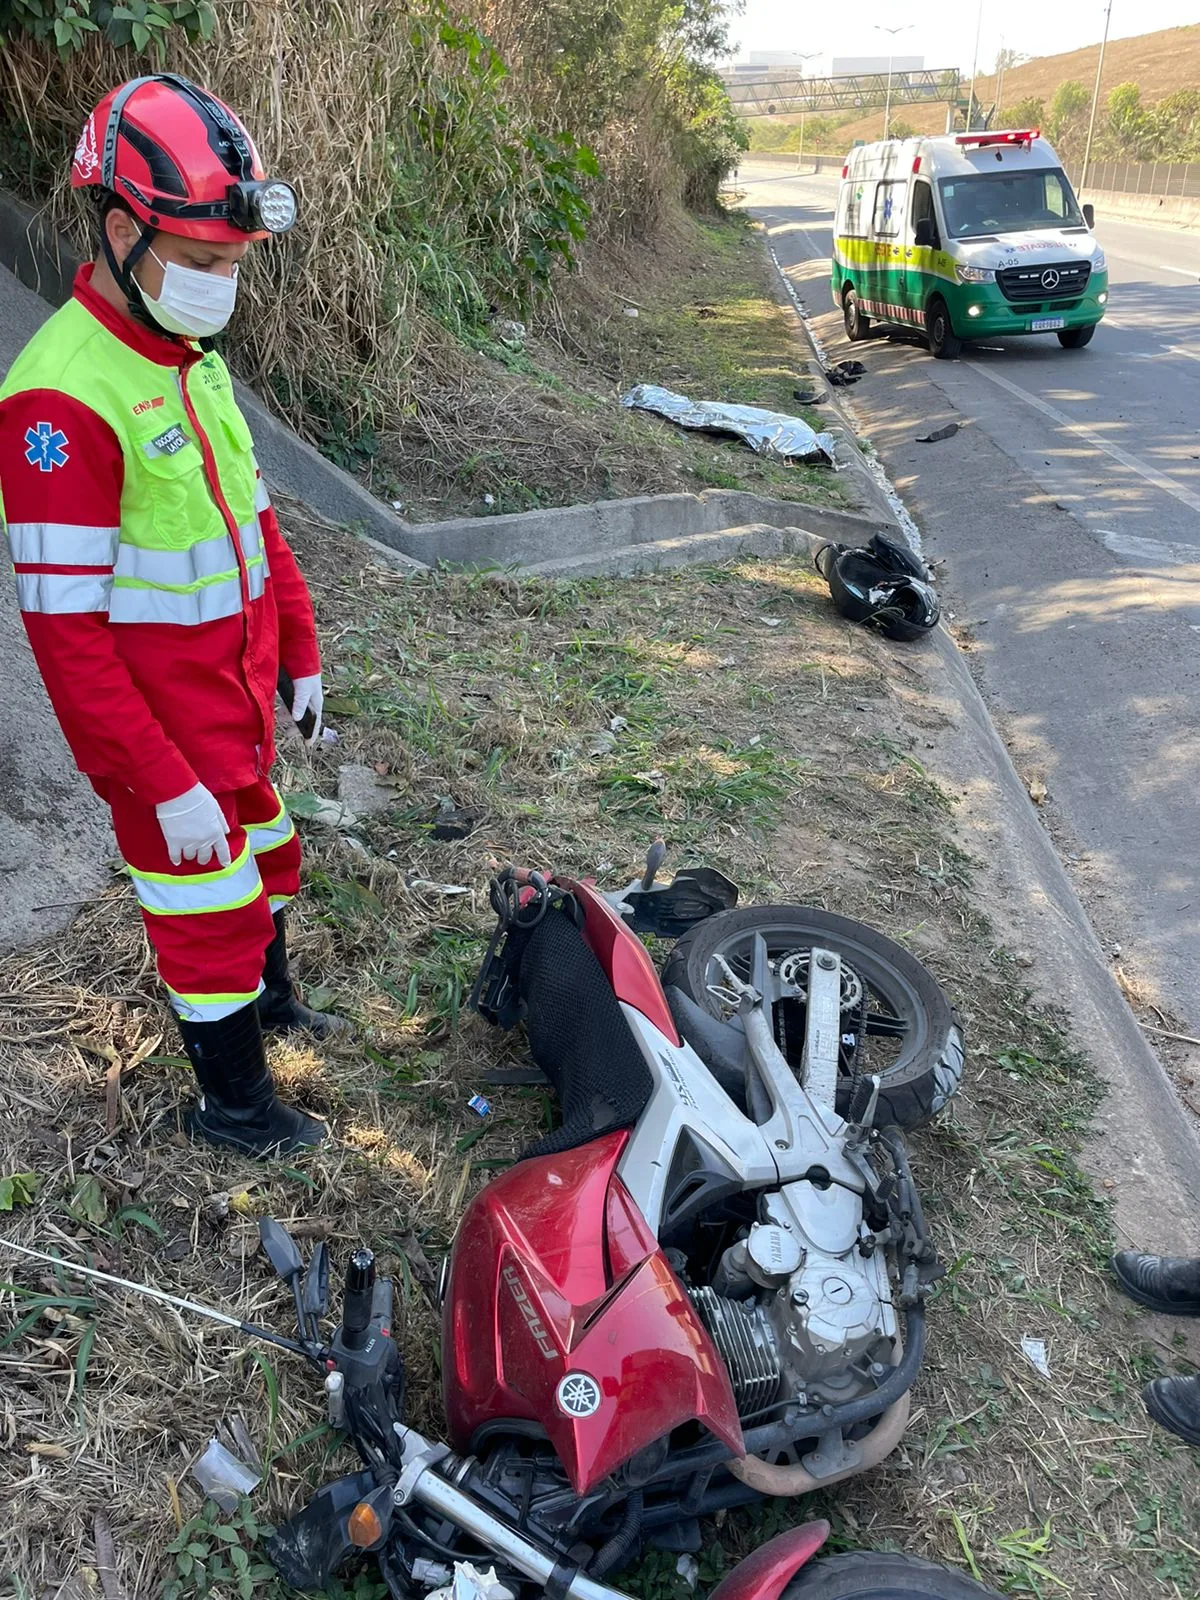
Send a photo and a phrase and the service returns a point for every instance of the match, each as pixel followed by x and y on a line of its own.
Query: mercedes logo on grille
pixel 1050 278
pixel 578 1395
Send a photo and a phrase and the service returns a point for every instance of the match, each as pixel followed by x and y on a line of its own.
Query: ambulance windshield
pixel 1008 202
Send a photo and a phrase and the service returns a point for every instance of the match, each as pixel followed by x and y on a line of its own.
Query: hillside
pixel 1159 63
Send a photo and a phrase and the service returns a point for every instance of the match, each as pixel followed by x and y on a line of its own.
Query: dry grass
pixel 806 784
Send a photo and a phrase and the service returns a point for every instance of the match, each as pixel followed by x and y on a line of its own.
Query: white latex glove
pixel 308 695
pixel 194 827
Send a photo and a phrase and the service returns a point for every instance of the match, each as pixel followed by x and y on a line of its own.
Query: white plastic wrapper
pixel 770 433
pixel 469 1583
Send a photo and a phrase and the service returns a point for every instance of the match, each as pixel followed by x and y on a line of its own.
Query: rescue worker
pixel 157 590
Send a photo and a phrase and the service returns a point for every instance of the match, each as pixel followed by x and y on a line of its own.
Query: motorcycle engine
pixel 802 1306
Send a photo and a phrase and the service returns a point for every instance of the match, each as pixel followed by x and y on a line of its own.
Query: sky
pixel 943 31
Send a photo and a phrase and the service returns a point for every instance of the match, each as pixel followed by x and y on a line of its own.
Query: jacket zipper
pixel 214 487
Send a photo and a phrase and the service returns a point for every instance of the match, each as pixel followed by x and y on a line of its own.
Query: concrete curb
pixel 1142 1145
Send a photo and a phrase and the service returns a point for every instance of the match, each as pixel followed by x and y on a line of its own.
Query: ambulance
pixel 967 236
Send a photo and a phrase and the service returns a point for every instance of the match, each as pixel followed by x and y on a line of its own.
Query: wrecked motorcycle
pixel 706 1285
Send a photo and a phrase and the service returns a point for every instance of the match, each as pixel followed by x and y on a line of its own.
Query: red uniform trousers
pixel 210 926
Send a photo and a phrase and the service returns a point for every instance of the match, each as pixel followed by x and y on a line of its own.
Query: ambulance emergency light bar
pixel 1024 136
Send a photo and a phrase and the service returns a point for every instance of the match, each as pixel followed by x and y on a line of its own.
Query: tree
pixel 1134 131
pixel 1068 112
pixel 1006 58
pixel 1178 122
pixel 1027 113
pixel 900 129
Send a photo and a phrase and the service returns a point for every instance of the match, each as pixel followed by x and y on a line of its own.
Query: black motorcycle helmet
pixel 883 584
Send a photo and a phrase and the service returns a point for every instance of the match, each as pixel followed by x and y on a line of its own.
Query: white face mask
pixel 197 304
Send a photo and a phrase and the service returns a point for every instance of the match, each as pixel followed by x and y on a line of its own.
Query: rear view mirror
pixel 924 234
pixel 1089 214
pixel 280 1248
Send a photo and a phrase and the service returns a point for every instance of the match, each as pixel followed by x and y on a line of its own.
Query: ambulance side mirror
pixel 1089 214
pixel 924 233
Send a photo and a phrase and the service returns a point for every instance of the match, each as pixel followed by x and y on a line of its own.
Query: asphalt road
pixel 1066 514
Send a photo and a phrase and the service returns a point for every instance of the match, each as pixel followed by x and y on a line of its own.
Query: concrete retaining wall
pixel 1169 211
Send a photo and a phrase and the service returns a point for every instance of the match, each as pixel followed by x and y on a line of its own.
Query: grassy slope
pixel 1159 62
pixel 546 424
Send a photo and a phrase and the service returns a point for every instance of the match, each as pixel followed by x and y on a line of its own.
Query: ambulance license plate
pixel 1047 324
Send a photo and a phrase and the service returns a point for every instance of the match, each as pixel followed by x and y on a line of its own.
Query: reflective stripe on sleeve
pixel 62 544
pixel 264 836
pixel 169 894
pixel 63 593
pixel 278 901
pixel 210 1007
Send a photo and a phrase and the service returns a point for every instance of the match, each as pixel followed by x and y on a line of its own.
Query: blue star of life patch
pixel 47 447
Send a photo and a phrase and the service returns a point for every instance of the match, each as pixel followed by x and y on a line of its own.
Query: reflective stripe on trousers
pixel 165 894
pixel 210 1007
pixel 264 836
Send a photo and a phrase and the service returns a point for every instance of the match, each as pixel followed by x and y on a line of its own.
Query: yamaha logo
pixel 578 1395
pixel 1050 278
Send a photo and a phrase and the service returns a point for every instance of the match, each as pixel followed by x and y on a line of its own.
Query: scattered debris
pixel 454 822
pixel 509 332
pixel 314 808
pixel 430 887
pixel 223 1477
pixel 844 373
pixel 809 397
pixel 938 434
pixel 771 622
pixel 1035 1353
pixel 631 311
pixel 1038 790
pixel 688 1569
pixel 619 724
pixel 602 744
pixel 770 433
pixel 469 1583
pixel 479 1105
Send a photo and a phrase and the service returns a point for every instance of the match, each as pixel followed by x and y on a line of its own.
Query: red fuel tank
pixel 561 1309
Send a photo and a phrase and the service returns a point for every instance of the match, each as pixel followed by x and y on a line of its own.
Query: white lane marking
pixel 1151 266
pixel 1160 480
pixel 1152 551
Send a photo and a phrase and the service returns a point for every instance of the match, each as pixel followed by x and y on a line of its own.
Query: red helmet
pixel 182 162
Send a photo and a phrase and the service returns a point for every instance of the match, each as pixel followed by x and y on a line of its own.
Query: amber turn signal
pixel 364 1526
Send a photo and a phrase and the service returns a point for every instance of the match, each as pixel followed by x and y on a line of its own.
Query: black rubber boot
pixel 237 1107
pixel 280 1010
pixel 1162 1283
pixel 1174 1403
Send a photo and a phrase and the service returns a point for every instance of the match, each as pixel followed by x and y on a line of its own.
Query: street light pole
pixel 887 104
pixel 810 56
pixel 1087 152
pixel 974 66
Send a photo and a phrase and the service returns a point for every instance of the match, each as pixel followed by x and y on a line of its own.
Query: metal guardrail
pixel 1161 179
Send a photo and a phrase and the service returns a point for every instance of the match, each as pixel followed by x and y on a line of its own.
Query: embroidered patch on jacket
pixel 47 447
pixel 168 443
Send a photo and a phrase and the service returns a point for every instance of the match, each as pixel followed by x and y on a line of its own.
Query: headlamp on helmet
pixel 268 205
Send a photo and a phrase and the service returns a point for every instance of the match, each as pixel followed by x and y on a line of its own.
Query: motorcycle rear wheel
pixel 912 1037
pixel 873 1575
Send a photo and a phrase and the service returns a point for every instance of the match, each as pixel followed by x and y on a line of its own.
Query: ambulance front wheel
pixel 1076 338
pixel 858 325
pixel 944 343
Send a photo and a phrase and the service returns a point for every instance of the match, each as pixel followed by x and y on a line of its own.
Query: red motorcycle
pixel 707 1285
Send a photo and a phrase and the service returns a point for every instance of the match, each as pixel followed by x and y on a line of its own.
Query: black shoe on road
pixel 1170 1284
pixel 238 1108
pixel 1174 1403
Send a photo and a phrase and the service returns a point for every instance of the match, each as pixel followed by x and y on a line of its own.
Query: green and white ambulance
pixel 970 236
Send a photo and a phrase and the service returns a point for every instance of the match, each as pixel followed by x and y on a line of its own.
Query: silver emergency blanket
pixel 770 433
